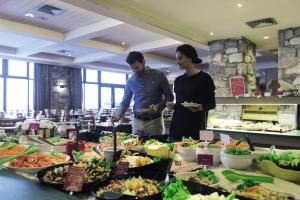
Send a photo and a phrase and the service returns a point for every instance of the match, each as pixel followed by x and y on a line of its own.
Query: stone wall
pixel 59 96
pixel 232 57
pixel 289 56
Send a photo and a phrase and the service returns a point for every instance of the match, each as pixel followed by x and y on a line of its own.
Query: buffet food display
pixel 136 186
pixel 95 169
pixel 249 125
pixel 140 173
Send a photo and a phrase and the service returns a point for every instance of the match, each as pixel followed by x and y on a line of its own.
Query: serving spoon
pixel 233 176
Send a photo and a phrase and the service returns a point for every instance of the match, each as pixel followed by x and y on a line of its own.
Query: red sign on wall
pixel 237 86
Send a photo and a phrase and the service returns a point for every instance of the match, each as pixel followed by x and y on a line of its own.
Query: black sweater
pixel 198 88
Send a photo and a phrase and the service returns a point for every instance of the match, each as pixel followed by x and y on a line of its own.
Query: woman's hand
pixel 195 109
pixel 170 105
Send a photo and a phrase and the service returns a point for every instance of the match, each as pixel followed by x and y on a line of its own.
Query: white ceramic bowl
pixel 215 151
pixel 259 152
pixel 187 153
pixel 236 161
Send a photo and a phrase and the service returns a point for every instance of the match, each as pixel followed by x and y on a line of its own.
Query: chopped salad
pixel 139 187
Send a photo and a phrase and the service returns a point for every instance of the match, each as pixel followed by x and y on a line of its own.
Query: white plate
pixel 32 170
pixel 187 175
pixel 191 105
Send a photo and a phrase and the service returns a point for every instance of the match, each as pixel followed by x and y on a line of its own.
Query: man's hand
pixel 170 105
pixel 153 108
pixel 195 109
pixel 115 118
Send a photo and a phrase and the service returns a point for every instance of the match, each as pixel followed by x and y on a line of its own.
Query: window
pixel 104 89
pixel 91 75
pixel 113 78
pixel 119 93
pixel 17 68
pixel 16 87
pixel 1 94
pixel 90 96
pixel 17 93
pixel 0 66
pixel 106 97
pixel 31 70
pixel 31 89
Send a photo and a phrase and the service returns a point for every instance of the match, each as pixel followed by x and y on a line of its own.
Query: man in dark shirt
pixel 147 86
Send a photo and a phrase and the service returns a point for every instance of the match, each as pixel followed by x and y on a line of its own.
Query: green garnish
pixel 54 139
pixel 247 184
pixel 171 146
pixel 237 151
pixel 176 190
pixel 11 139
pixel 231 196
pixel 97 162
pixel 288 158
pixel 53 153
pixel 156 159
pixel 78 154
pixel 151 141
pixel 206 173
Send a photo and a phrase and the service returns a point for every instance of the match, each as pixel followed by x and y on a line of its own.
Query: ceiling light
pixel 168 71
pixel 29 15
pixel 211 33
pixel 239 5
pixel 266 37
pixel 66 52
pixel 123 43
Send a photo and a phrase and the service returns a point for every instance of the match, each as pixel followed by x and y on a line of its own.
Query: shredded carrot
pixel 37 160
pixel 12 151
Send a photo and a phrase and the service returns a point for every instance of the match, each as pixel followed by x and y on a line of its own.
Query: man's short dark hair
pixel 134 56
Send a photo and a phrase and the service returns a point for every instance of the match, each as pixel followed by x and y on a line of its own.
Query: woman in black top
pixel 194 86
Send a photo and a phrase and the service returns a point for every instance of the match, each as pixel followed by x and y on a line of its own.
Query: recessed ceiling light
pixel 239 5
pixel 66 52
pixel 211 33
pixel 29 15
pixel 123 43
pixel 266 37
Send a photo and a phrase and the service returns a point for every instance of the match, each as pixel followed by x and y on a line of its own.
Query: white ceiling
pixel 15 40
pixel 131 35
pixel 93 31
pixel 73 17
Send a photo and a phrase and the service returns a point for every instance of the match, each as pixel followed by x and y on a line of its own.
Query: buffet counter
pixel 285 140
pixel 16 186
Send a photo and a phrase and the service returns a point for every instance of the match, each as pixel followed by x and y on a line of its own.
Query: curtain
pixel 75 82
pixel 41 86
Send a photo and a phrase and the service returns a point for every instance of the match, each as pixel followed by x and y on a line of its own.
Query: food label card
pixel 122 168
pixel 34 126
pixel 205 159
pixel 74 179
pixel 225 139
pixel 206 135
